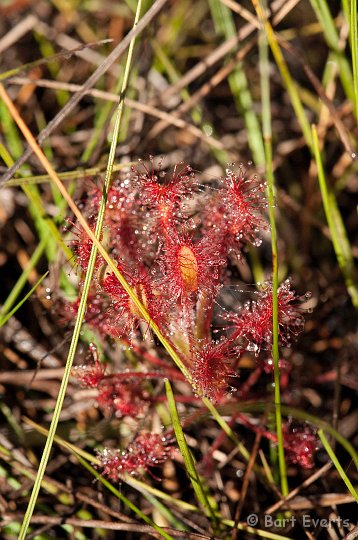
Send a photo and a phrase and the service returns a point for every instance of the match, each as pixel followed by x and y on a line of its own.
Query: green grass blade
pixel 226 428
pixel 354 46
pixel 5 318
pixel 78 174
pixel 102 116
pixel 258 533
pixel 224 23
pixel 324 16
pixel 45 226
pixel 10 133
pixel 53 65
pixel 187 455
pixel 82 305
pixel 142 487
pixel 267 135
pixel 285 74
pixel 336 463
pixel 340 241
pixel 19 285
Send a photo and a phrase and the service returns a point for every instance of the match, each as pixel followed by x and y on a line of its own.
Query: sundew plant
pixel 179 295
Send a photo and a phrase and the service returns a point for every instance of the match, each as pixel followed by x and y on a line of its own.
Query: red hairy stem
pixel 249 383
pixel 126 375
pixel 149 356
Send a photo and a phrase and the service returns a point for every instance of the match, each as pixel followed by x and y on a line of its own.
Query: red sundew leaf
pixel 301 444
pixel 300 441
pixel 190 267
pixel 211 371
pixel 126 315
pixel 112 312
pixel 146 451
pixel 82 247
pixel 122 398
pixel 254 324
pixel 161 192
pixel 236 212
pixel 244 203
pixel 90 375
pixel 124 230
pixel 98 314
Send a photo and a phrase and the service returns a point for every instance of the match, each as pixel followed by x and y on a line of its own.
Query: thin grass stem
pixel 19 285
pixel 6 317
pixel 224 23
pixel 192 473
pixel 335 222
pixel 354 46
pixel 267 135
pixel 285 74
pixel 337 464
pixel 323 14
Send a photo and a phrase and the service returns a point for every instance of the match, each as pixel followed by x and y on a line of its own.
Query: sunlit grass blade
pixel 6 317
pixel 354 47
pixel 267 135
pixel 337 464
pixel 258 533
pixel 173 501
pixel 134 482
pixel 336 226
pixel 189 463
pixel 79 174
